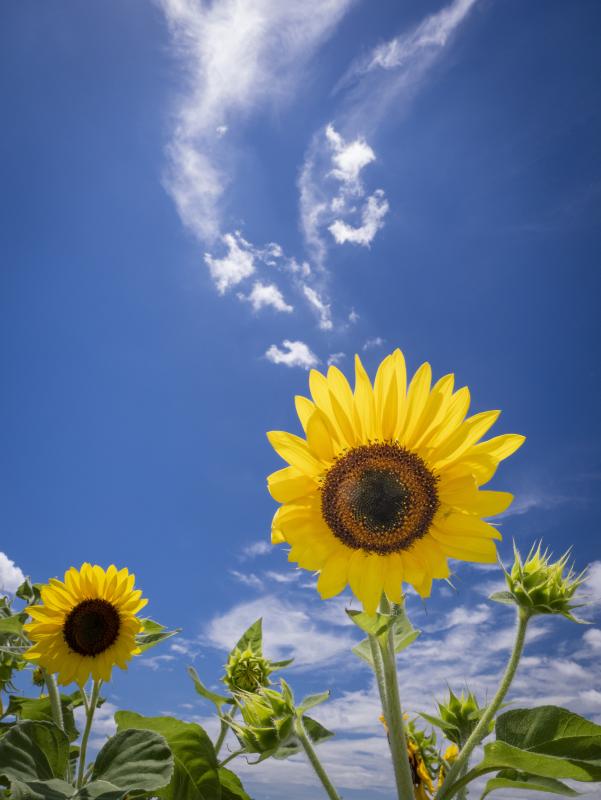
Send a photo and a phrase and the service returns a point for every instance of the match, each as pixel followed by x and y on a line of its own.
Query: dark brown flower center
pixel 379 497
pixel 92 627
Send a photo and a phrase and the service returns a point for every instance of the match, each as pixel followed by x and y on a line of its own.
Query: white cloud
pixel 323 309
pixel 372 344
pixel 336 358
pixel 267 294
pixel 292 354
pixel 593 638
pixel 592 587
pixel 287 631
pixel 11 576
pixel 348 158
pixel 372 219
pixel 259 548
pixel 234 267
pixel 248 579
pixel 156 662
pixel 104 723
pixel 283 577
pixel 235 56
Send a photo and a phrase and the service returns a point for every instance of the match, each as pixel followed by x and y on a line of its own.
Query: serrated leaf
pixel 153 633
pixel 252 638
pixel 231 787
pixel 195 763
pixel 135 760
pixel 531 783
pixel 53 789
pixel 218 699
pixel 312 700
pixel 552 730
pixel 100 790
pixel 32 751
pixel 372 624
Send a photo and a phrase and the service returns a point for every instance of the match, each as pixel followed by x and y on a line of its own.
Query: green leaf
pixel 503 597
pixel 372 624
pixel 317 732
pixel 195 774
pixel 532 783
pixel 403 632
pixel 231 787
pixel 53 789
pixel 363 651
pixel 153 633
pixel 551 730
pixel 41 709
pixel 312 700
pixel 30 592
pixel 438 722
pixel 34 751
pixel 218 699
pixel 281 664
pixel 100 790
pixel 252 638
pixel 135 759
pixel 12 625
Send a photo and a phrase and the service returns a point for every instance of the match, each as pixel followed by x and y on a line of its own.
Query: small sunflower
pixel 86 624
pixel 386 485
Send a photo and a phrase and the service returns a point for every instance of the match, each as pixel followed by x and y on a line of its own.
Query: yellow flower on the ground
pixel 385 486
pixel 86 624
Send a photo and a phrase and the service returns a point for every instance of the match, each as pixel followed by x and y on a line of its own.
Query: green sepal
pixel 153 633
pixel 312 700
pixel 195 763
pixel 251 638
pixel 217 699
pixel 503 597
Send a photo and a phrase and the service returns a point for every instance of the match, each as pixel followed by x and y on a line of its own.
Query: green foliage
pixel 546 742
pixel 153 633
pixel 41 709
pixel 378 625
pixel 134 760
pixel 217 699
pixel 510 779
pixel 458 717
pixel 195 775
pixel 231 787
pixel 34 751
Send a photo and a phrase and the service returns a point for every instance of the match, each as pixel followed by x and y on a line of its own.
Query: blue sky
pixel 186 188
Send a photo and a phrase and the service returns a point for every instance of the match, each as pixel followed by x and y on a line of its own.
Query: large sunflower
pixel 86 624
pixel 386 485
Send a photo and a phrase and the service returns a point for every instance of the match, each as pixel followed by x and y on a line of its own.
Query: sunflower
pixel 385 488
pixel 86 624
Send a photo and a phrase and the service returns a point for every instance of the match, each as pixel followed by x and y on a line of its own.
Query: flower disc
pixel 86 624
pixel 386 485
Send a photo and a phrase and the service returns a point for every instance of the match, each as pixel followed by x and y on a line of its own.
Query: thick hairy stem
pixel 379 673
pixel 90 709
pixel 482 728
pixel 394 716
pixel 315 762
pixel 55 700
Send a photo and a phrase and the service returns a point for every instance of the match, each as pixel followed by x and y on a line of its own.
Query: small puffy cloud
pixel 348 158
pixel 372 219
pixel 372 344
pixel 322 309
pixel 292 354
pixel 592 586
pixel 263 295
pixel 11 576
pixel 260 548
pixel 234 267
pixel 221 130
pixel 353 316
pixel 336 358
pixel 593 639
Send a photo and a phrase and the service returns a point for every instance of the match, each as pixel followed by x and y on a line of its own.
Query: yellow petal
pixel 334 573
pixel 289 484
pixel 372 584
pixel 296 452
pixel 481 503
pixel 304 409
pixel 393 580
pixel 468 433
pixel 364 417
pixel 319 438
pixel 417 396
pixel 466 525
pixel 454 416
pixel 435 411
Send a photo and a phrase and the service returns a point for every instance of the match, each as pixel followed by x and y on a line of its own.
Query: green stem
pixel 482 728
pixel 55 700
pixel 90 709
pixel 231 756
pixel 394 715
pixel 315 762
pixel 379 673
pixel 221 738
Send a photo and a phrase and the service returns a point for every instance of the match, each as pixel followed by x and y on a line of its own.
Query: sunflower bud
pixel 37 677
pixel 246 671
pixel 539 585
pixel 459 716
pixel 268 720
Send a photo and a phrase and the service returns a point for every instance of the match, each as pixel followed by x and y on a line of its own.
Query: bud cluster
pixel 268 720
pixel 246 671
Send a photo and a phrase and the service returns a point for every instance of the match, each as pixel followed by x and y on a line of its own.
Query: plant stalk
pixel 221 738
pixel 231 756
pixel 315 762
pixel 55 700
pixel 379 673
pixel 394 715
pixel 90 709
pixel 482 728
